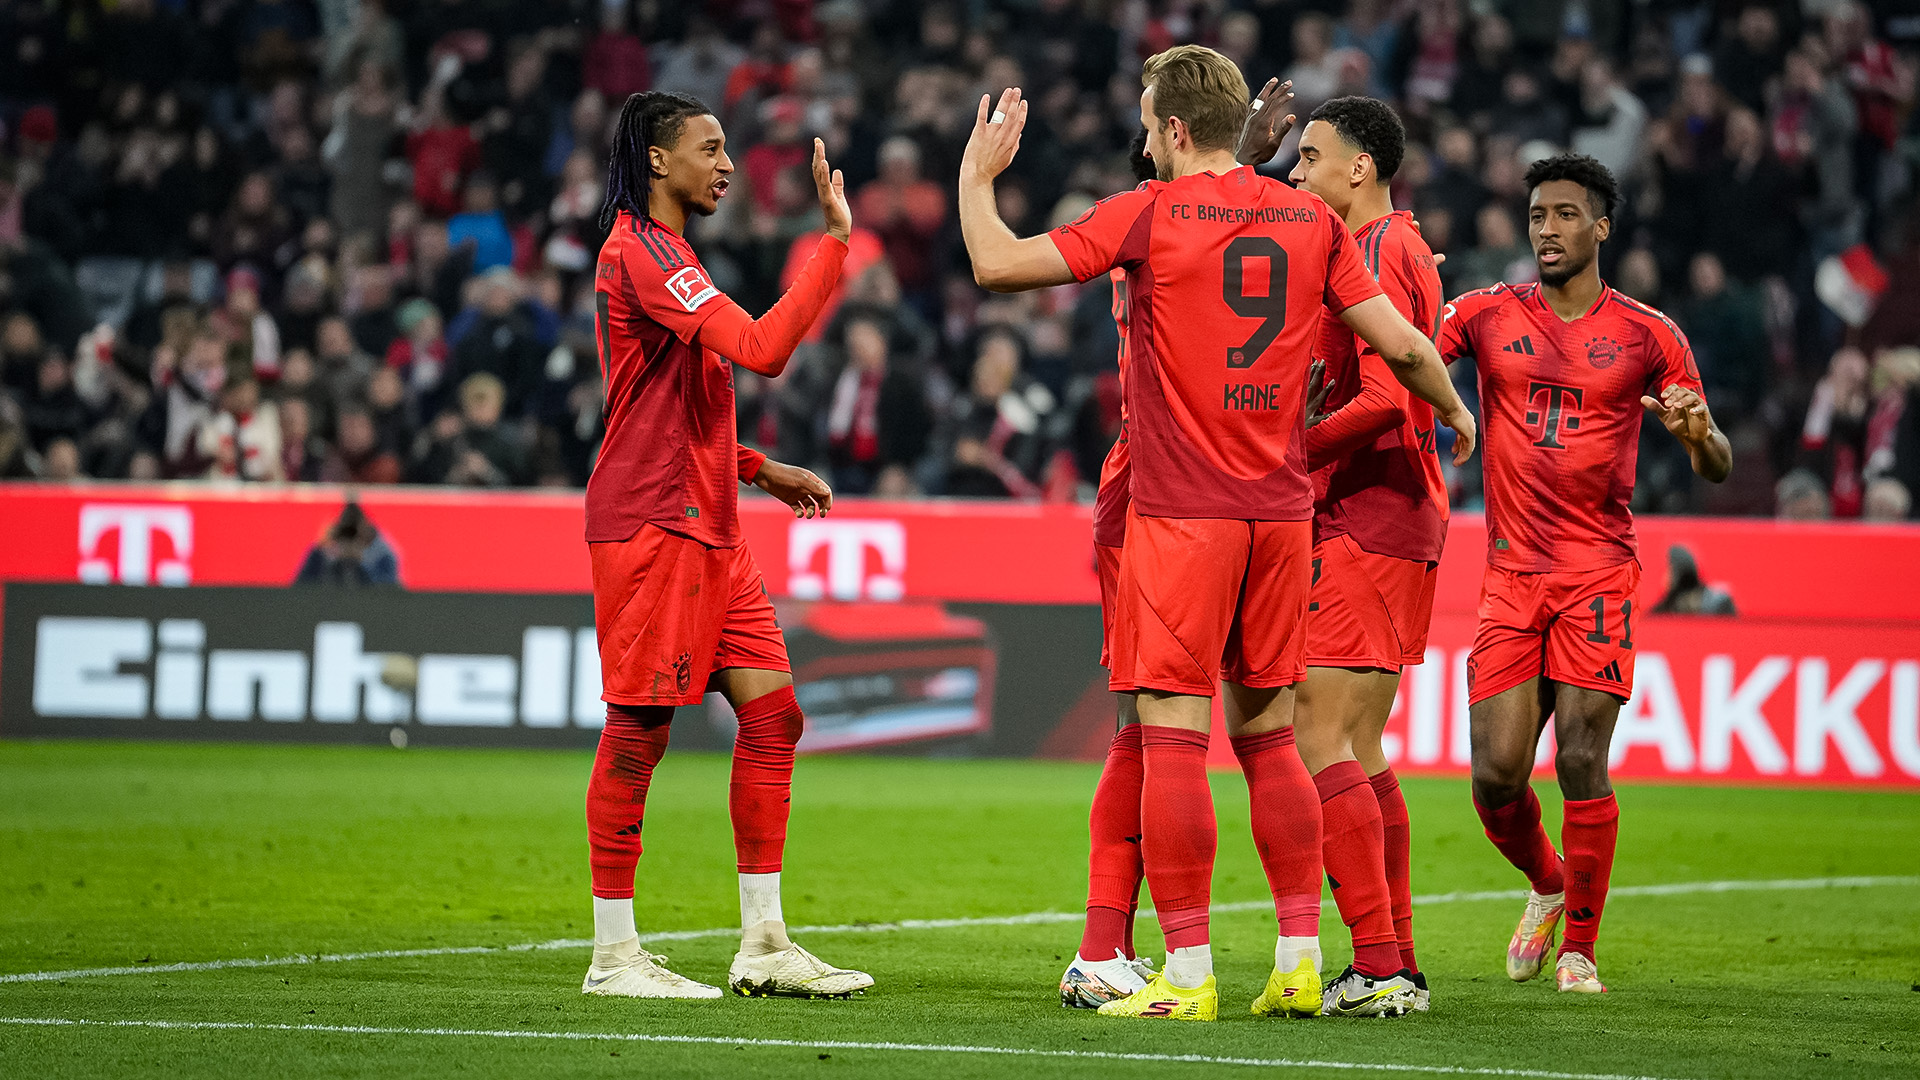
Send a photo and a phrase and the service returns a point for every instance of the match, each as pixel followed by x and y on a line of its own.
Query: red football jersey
pixel 1111 499
pixel 1560 418
pixel 1388 494
pixel 1226 274
pixel 669 453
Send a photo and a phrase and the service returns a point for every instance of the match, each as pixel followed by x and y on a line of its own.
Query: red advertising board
pixel 1818 680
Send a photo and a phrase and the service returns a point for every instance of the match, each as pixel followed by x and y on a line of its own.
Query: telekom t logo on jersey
pixel 136 526
pixel 846 544
pixel 1558 410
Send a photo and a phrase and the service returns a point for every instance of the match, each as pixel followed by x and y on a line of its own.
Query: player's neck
pixel 667 212
pixel 1214 161
pixel 1371 202
pixel 1576 297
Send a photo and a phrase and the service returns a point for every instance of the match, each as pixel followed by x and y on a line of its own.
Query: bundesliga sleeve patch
pixel 691 287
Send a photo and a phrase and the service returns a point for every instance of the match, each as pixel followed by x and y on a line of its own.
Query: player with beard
pixel 1227 273
pixel 1565 367
pixel 678 600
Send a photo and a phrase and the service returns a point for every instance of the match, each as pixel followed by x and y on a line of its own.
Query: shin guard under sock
pixel 1178 832
pixel 1515 830
pixel 762 785
pixel 1352 847
pixel 1113 862
pixel 1285 807
pixel 1398 834
pixel 617 796
pixel 1587 835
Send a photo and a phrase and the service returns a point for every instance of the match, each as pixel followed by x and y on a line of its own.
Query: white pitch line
pixel 827 1044
pixel 1032 918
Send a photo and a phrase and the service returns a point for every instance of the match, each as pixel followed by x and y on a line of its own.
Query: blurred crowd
pixel 352 240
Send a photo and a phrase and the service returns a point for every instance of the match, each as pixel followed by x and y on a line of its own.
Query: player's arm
pixel 764 345
pixel 1002 261
pixel 1380 406
pixel 1685 414
pixel 1415 363
pixel 799 488
pixel 1682 407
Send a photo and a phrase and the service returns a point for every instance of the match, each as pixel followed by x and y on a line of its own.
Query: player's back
pixel 1562 416
pixel 1226 277
pixel 668 455
pixel 1389 495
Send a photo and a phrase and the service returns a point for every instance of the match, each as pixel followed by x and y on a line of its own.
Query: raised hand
pixel 807 494
pixel 1267 124
pixel 833 197
pixel 1683 413
pixel 991 147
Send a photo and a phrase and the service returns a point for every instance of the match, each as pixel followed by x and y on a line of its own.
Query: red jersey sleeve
pixel 1456 318
pixel 672 287
pixel 1348 282
pixel 1091 243
pixel 747 462
pixel 1671 362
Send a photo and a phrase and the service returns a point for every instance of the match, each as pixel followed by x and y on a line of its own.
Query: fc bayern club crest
pixel 1602 352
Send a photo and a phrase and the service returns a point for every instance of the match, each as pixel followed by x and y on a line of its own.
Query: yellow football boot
pixel 1291 993
pixel 1161 1000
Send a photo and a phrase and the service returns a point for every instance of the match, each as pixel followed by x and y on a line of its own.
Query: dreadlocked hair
pixel 654 118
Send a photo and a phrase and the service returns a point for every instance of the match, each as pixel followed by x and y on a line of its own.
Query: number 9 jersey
pixel 1227 275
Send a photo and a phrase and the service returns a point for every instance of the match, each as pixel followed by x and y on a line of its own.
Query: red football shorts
pixel 1367 610
pixel 1106 561
pixel 1202 599
pixel 672 611
pixel 1572 628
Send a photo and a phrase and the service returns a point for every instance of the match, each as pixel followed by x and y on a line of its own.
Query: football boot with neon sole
pixel 1291 993
pixel 1354 994
pixel 627 970
pixel 1533 938
pixel 1575 974
pixel 1161 1000
pixel 1089 984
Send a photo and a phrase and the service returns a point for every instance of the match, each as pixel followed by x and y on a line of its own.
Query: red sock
pixel 1515 830
pixel 1113 864
pixel 762 784
pixel 1286 827
pixel 1178 833
pixel 630 746
pixel 1353 848
pixel 1588 835
pixel 1398 837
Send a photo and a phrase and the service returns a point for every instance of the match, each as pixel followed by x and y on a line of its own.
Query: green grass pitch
pixel 146 855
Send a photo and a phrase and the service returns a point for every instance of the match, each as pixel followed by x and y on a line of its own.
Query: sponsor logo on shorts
pixel 683 671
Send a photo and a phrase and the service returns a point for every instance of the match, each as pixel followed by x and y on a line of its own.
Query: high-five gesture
pixel 833 194
pixel 1267 124
pixel 996 136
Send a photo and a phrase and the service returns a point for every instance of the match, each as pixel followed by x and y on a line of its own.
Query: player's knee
pixel 1497 783
pixel 1581 761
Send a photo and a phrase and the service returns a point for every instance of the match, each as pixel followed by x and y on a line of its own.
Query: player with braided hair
pixel 678 600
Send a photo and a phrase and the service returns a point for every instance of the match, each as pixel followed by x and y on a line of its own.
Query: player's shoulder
pixel 1134 200
pixel 667 250
pixel 1468 304
pixel 1650 318
pixel 1399 232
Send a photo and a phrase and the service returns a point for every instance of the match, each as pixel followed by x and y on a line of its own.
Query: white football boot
pixel 625 969
pixel 1575 974
pixel 792 972
pixel 1089 984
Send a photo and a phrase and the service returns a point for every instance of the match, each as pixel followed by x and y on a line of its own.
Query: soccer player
pixel 1565 366
pixel 1227 271
pixel 1106 966
pixel 1380 518
pixel 677 598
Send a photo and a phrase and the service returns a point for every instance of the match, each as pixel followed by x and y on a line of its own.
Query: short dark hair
pixel 1603 193
pixel 1137 159
pixel 654 118
pixel 1371 125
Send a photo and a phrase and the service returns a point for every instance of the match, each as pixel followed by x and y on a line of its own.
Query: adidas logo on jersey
pixel 1611 672
pixel 1522 345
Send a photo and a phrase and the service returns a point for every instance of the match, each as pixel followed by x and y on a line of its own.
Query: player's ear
pixel 1361 163
pixel 657 160
pixel 1602 229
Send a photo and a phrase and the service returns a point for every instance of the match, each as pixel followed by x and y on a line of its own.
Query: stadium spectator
pixel 472 447
pixel 877 418
pixel 241 440
pixel 1887 500
pixel 358 457
pixel 1687 593
pixel 1724 324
